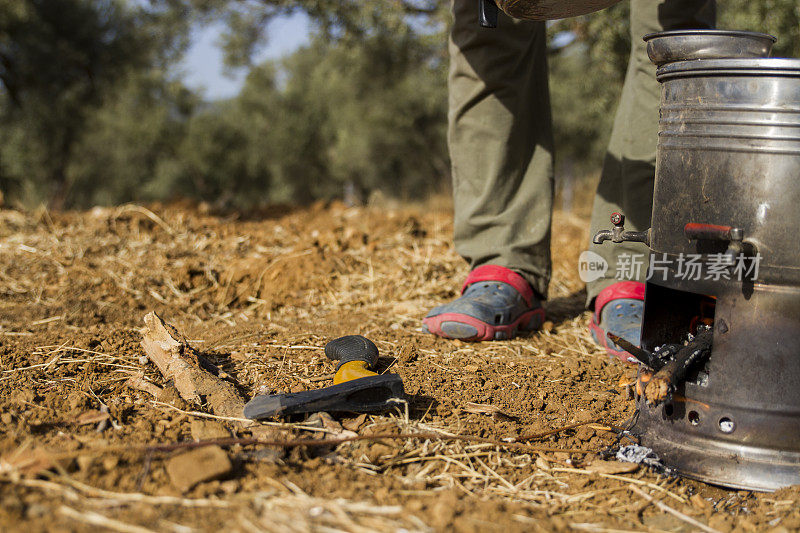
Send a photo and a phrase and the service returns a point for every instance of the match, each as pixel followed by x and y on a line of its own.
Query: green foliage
pixel 370 117
pixel 288 125
pixel 58 58
pixel 384 105
pixel 129 150
pixel 61 61
pixel 586 80
pixel 780 18
pixel 348 21
pixel 92 111
pixel 584 105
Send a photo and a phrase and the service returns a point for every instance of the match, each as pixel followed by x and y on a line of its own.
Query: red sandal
pixel 618 309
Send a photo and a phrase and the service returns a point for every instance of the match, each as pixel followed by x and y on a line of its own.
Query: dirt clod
pixel 196 466
pixel 208 430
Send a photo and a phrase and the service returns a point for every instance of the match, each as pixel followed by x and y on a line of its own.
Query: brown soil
pixel 260 297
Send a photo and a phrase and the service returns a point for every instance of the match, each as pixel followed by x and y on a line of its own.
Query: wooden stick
pixel 663 382
pixel 196 378
pixel 188 370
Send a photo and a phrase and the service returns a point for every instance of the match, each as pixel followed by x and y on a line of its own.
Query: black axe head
pixel 368 394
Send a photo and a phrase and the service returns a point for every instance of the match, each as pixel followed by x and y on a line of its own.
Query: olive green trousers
pixel 500 139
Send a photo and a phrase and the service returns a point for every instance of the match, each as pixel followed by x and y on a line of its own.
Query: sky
pixel 203 67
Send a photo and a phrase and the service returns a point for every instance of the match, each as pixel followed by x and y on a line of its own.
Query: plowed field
pixel 81 449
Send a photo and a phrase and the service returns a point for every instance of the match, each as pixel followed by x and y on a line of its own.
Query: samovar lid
pixel 686 45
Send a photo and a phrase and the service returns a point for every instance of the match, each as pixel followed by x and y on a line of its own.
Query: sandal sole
pixel 463 327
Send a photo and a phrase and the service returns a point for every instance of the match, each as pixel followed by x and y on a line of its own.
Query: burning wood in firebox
pixel 669 364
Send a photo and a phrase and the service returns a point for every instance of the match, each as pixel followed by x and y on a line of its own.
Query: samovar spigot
pixel 620 234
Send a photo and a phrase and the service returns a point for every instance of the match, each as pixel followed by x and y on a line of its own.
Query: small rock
pixel 110 462
pixel 542 463
pixel 323 420
pixel 76 400
pixel 377 451
pixel 92 416
pixel 266 455
pixel 352 424
pixel 196 466
pixel 699 502
pixel 229 487
pixel 6 418
pixel 85 462
pixel 208 430
pixel 330 426
pixel 611 467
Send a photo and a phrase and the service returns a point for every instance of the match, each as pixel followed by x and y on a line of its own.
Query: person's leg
pixel 501 146
pixel 626 182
